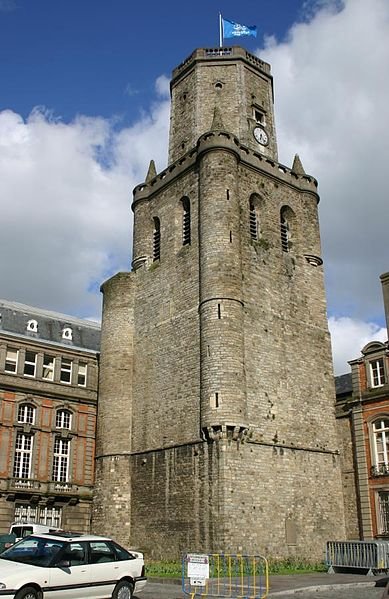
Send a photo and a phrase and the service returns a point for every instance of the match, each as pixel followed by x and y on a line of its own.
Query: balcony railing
pixel 380 470
pixel 61 487
pixel 24 483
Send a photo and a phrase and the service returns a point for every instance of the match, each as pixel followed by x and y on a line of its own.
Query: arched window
pixel 157 239
pixel 253 221
pixel 185 221
pixel 26 414
pixel 381 446
pixel 285 228
pixel 63 419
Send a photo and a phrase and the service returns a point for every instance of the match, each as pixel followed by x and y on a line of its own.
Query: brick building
pixel 216 371
pixel 48 402
pixel 363 422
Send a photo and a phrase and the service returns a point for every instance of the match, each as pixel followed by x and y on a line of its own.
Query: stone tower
pixel 216 426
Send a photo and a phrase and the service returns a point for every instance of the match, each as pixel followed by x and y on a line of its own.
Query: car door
pixel 104 569
pixel 69 577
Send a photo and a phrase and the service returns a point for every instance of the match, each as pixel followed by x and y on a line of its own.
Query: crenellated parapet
pixel 223 140
pixel 226 53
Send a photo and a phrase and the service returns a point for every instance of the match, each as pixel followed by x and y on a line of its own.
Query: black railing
pixel 380 470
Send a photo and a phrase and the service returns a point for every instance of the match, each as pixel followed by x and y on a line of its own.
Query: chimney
pixel 385 290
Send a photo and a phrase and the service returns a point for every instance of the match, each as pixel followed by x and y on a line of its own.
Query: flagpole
pixel 220 30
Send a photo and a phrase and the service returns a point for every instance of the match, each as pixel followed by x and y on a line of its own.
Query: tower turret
pixel 223 384
pixel 229 376
pixel 238 84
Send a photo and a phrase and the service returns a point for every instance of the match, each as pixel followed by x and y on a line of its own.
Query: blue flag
pixel 232 29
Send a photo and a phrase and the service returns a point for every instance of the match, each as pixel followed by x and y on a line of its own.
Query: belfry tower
pixel 216 425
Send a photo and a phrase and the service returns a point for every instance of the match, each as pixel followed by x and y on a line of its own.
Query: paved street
pixel 339 592
pixel 357 590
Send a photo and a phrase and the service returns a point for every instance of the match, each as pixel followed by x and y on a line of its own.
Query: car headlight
pixel 3 585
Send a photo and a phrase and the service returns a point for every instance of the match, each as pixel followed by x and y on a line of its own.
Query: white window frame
pixel 63 419
pixel 48 515
pixel 382 503
pixel 30 363
pixel 377 372
pixel 61 455
pixel 24 445
pixel 68 369
pixel 82 371
pixel 26 413
pixel 11 360
pixel 48 367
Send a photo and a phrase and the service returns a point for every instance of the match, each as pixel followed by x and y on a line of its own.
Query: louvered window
pixel 253 222
pixel 157 240
pixel 284 233
pixel 185 221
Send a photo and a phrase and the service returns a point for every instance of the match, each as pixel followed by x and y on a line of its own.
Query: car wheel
pixel 28 593
pixel 123 590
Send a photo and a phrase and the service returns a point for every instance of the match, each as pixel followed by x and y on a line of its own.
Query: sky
pixel 84 106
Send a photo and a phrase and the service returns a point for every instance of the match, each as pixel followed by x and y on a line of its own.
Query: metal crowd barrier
pixel 225 575
pixel 368 555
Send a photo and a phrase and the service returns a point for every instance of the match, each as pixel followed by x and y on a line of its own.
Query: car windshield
pixel 35 551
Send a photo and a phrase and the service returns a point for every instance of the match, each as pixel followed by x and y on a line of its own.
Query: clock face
pixel 261 136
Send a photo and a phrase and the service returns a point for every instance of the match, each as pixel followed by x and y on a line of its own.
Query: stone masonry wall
pixel 166 405
pixel 223 497
pixel 176 501
pixel 112 494
pixel 348 477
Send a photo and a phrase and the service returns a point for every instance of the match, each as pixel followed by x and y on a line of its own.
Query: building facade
pixel 363 424
pixel 48 403
pixel 216 371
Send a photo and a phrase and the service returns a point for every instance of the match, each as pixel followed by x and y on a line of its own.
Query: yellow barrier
pixel 225 575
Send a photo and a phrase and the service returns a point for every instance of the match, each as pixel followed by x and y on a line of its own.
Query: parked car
pixel 24 529
pixel 71 566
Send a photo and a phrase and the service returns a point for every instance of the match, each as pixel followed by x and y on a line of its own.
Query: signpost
pixel 198 569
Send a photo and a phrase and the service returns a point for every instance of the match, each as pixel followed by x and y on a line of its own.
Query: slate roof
pixel 14 318
pixel 343 384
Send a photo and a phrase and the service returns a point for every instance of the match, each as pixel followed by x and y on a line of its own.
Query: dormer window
pixel 377 372
pixel 67 334
pixel 32 326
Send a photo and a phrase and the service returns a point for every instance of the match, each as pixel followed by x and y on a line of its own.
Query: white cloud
pixel 331 108
pixel 66 197
pixel 349 336
pixel 66 187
